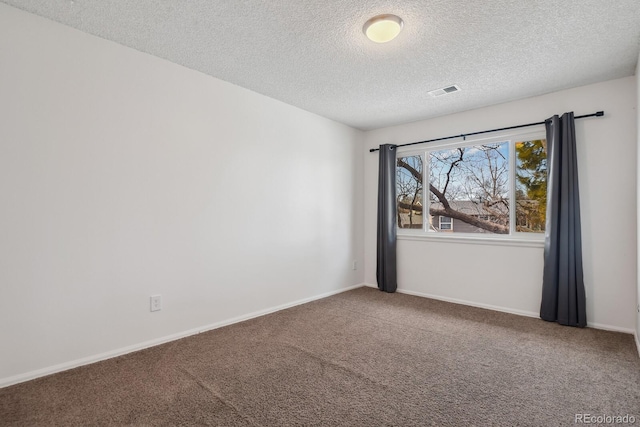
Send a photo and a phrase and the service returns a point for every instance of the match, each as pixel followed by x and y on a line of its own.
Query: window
pixel 531 185
pixel 495 187
pixel 409 175
pixel 446 223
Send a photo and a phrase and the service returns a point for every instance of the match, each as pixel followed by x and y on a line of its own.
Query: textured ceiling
pixel 313 54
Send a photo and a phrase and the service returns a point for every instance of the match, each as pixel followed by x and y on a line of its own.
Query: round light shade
pixel 383 28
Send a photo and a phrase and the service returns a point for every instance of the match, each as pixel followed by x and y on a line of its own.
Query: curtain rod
pixel 465 135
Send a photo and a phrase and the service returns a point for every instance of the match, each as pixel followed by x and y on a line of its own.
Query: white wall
pixel 123 176
pixel 508 277
pixel 638 178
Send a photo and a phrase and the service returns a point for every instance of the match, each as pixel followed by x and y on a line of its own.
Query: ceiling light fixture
pixel 383 28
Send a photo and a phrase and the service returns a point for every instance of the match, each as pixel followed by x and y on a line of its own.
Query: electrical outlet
pixel 354 266
pixel 156 302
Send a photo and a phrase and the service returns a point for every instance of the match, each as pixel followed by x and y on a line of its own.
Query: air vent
pixel 445 90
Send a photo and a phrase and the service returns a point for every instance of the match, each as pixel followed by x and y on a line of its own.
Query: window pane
pixel 531 185
pixel 474 182
pixel 409 191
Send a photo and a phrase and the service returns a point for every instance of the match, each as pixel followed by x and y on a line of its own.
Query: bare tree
pixel 478 174
pixel 471 184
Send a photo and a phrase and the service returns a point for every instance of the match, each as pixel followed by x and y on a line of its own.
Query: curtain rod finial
pixel 600 114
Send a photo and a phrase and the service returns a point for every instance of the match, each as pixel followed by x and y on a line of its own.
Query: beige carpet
pixel 361 358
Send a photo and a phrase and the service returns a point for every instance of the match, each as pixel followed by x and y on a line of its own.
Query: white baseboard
pixel 610 328
pixel 472 303
pixel 506 310
pixel 5 382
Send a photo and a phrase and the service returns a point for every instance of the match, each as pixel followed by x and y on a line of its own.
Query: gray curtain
pixel 386 266
pixel 563 295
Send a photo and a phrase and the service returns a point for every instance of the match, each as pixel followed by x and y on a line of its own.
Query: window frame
pixel 514 238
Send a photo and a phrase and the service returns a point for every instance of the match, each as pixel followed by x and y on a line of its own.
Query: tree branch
pixel 447 209
pixel 453 165
pixel 469 219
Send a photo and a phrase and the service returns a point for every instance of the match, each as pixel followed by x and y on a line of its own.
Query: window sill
pixel 475 240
